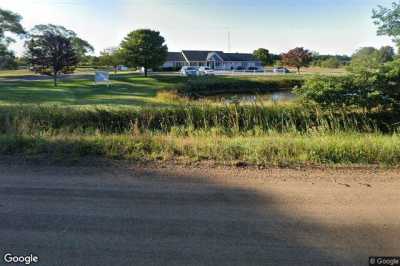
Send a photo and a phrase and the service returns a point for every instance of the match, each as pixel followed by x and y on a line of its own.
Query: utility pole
pixel 229 42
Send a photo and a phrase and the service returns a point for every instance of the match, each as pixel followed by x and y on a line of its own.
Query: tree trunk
pixel 298 70
pixel 55 78
pixel 145 68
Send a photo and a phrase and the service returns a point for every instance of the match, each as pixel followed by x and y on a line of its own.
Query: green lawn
pixel 127 90
pixel 16 73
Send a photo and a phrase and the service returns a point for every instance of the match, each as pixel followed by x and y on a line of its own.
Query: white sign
pixel 102 77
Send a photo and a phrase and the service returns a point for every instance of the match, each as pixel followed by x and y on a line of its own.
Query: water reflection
pixel 280 96
pixel 277 96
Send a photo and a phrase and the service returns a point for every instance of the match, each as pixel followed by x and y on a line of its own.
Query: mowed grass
pixel 321 71
pixel 16 73
pixel 132 91
pixel 126 90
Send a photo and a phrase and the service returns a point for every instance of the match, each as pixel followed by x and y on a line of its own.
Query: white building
pixel 217 60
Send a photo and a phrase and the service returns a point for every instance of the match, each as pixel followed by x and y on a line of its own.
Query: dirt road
pixel 131 215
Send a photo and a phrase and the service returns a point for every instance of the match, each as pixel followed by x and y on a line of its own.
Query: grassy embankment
pixel 122 122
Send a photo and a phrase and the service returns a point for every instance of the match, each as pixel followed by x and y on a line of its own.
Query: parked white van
pixel 190 71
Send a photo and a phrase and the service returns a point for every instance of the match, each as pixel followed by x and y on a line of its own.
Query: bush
pixel 331 63
pixel 367 89
pixel 49 72
pixel 213 86
pixel 329 91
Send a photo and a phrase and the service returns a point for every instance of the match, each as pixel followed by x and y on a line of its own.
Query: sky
pixel 325 26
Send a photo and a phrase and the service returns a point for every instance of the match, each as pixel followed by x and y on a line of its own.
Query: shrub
pixel 214 86
pixel 367 89
pixel 332 62
pixel 329 91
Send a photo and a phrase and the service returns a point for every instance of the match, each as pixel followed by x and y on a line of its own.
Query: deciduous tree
pixel 388 21
pixel 263 55
pixel 9 23
pixel 144 48
pixel 53 50
pixel 297 57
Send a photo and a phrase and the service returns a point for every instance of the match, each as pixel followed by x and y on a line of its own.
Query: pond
pixel 276 96
pixel 281 96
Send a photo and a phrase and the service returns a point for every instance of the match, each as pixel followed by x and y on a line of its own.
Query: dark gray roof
pixel 197 55
pixel 175 56
pixel 237 57
pixel 202 56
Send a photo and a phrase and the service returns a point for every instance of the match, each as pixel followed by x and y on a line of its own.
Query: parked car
pixel 280 70
pixel 255 69
pixel 206 71
pixel 239 68
pixel 122 68
pixel 142 70
pixel 190 71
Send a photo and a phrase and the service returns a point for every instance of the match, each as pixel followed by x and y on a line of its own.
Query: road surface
pixel 147 215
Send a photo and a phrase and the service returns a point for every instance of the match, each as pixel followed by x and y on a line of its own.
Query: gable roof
pixel 192 55
pixel 175 56
pixel 237 57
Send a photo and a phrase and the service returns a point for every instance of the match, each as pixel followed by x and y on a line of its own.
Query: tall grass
pixel 251 134
pixel 266 150
pixel 232 119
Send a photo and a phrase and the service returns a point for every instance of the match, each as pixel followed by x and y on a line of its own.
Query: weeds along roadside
pixel 228 119
pixel 260 135
pixel 273 149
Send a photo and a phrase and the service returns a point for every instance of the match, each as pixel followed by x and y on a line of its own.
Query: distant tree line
pixel 307 59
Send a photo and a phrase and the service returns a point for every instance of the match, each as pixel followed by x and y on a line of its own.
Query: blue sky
pixel 329 27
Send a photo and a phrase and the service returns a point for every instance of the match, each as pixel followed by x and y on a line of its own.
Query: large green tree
pixel 9 23
pixel 53 50
pixel 144 48
pixel 297 57
pixel 82 47
pixel 388 21
pixel 263 55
